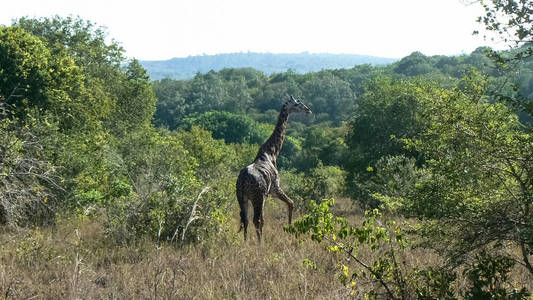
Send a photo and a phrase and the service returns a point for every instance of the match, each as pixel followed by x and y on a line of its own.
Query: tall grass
pixel 74 260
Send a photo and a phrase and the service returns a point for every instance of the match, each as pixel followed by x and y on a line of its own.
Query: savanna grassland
pixel 116 186
pixel 76 260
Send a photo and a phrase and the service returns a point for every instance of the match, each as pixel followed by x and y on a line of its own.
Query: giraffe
pixel 261 178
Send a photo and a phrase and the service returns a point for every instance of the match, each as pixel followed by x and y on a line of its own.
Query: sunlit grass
pixel 75 260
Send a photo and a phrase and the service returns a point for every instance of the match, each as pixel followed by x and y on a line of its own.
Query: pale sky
pixel 162 29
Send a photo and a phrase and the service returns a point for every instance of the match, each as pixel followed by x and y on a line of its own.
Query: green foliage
pixel 489 276
pixel 333 95
pixel 44 100
pixel 327 181
pixel 434 283
pixel 479 158
pixel 37 81
pixel 393 182
pixel 511 22
pixel 170 105
pixel 387 113
pixel 87 43
pixel 322 144
pixel 329 96
pixel 230 127
pixel 387 274
pixel 297 186
pixel 508 18
pixel 77 136
pixel 215 159
pixel 164 177
pixel 414 65
pixel 318 183
pixel 135 105
pixel 28 181
pixel 86 46
pixel 25 70
pixel 240 129
pixel 384 275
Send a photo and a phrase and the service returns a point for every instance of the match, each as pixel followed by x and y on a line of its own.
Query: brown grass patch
pixel 74 260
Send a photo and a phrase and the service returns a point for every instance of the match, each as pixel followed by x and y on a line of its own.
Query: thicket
pixel 77 138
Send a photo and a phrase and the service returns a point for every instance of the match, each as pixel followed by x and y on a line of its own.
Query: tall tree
pixel 135 102
pixel 481 186
pixel 512 22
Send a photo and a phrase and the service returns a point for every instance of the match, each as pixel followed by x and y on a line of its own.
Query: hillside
pixel 186 68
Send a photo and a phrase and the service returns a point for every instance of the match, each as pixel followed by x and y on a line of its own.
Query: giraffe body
pixel 261 178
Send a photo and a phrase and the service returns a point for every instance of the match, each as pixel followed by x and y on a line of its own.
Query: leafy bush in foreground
pixel 388 273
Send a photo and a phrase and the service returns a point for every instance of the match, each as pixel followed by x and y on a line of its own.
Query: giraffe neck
pixel 272 146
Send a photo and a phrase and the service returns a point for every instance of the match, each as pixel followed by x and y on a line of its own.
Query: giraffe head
pixel 293 105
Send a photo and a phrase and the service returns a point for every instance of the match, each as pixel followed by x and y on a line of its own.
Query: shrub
pixel 178 186
pixel 388 273
pixel 321 182
pixel 29 183
pixel 390 184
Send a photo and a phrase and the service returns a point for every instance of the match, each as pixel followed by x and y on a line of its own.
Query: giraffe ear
pixel 294 99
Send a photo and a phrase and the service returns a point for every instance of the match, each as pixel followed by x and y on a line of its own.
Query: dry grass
pixel 74 260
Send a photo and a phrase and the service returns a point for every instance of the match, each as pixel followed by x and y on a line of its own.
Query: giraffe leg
pixel 290 204
pixel 258 202
pixel 243 204
pixel 244 220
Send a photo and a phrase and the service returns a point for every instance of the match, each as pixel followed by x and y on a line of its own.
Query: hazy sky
pixel 160 29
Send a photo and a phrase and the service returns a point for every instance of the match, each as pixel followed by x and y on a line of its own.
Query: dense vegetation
pixel 188 67
pixel 442 144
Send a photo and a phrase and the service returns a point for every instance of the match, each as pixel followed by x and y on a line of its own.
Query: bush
pixel 178 186
pixel 320 183
pixel 388 273
pixel 29 183
pixel 230 127
pixel 390 184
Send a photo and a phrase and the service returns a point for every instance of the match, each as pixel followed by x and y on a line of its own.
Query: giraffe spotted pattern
pixel 261 178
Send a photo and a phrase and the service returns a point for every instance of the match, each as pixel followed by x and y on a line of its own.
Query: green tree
pixel 24 65
pixel 171 104
pixel 87 43
pixel 239 99
pixel 135 104
pixel 98 57
pixel 392 184
pixel 277 87
pixel 52 94
pixel 387 113
pixel 331 96
pixel 387 273
pixel 230 127
pixel 511 21
pixel 382 275
pixel 215 158
pixel 322 145
pixel 35 81
pixel 29 183
pixel 480 189
pixel 206 92
pixel 414 65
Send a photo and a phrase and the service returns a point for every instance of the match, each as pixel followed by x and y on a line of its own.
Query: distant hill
pixel 186 68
